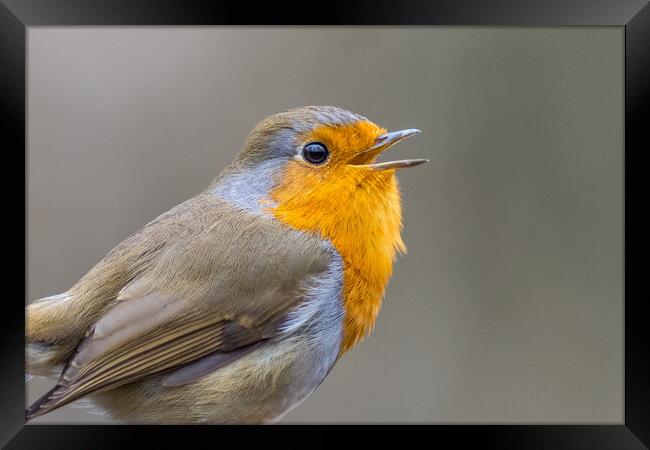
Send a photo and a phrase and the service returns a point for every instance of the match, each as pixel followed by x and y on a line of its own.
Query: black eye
pixel 315 153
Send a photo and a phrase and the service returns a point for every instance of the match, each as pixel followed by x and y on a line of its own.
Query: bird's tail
pixel 52 399
pixel 54 327
pixel 41 406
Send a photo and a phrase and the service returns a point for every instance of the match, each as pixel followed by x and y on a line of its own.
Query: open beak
pixel 383 143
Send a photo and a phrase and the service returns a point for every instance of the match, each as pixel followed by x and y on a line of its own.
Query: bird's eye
pixel 315 153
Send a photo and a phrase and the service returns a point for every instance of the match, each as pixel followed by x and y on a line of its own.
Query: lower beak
pixel 383 143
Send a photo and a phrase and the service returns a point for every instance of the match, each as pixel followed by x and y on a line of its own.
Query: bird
pixel 233 306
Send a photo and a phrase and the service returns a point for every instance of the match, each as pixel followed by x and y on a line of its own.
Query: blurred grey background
pixel 508 307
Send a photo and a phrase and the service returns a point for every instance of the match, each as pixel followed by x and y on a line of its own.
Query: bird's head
pixel 310 157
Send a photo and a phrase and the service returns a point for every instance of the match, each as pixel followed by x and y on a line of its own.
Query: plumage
pixel 233 306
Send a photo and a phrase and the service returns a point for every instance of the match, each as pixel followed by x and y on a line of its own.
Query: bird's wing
pixel 208 299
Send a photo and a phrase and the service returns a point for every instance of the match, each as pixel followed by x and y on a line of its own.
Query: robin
pixel 233 306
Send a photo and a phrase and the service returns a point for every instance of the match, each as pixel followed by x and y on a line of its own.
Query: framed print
pixel 216 231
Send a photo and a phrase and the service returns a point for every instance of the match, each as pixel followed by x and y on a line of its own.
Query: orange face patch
pixel 357 208
pixel 346 142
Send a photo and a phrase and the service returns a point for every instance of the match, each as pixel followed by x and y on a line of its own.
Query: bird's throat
pixel 362 219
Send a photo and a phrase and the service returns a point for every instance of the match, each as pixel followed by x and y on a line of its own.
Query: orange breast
pixel 359 211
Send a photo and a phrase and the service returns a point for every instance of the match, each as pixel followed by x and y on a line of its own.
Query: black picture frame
pixel 633 15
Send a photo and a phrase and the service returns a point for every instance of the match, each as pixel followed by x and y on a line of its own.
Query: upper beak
pixel 383 143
